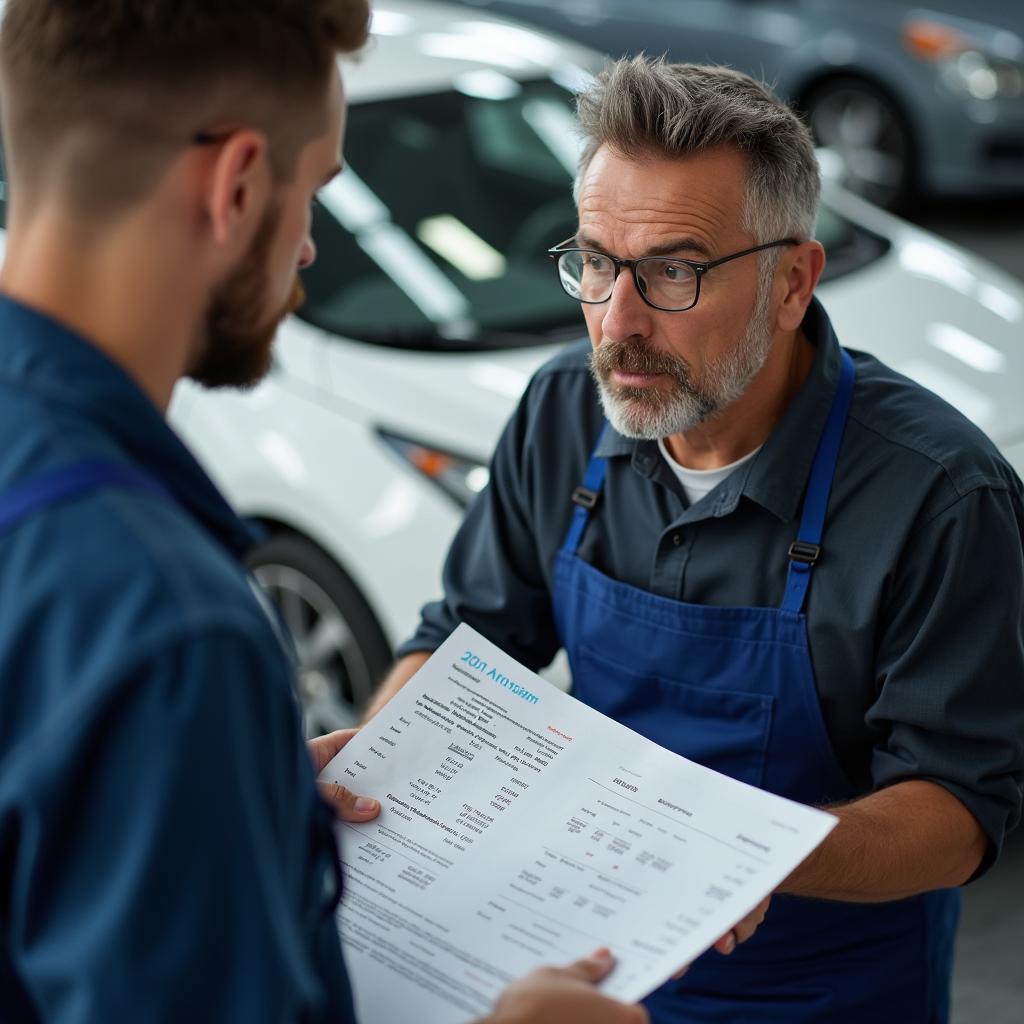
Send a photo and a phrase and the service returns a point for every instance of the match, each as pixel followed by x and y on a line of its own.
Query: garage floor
pixel 988 985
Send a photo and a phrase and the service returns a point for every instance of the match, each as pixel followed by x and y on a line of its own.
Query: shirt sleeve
pixel 493 577
pixel 951 661
pixel 173 863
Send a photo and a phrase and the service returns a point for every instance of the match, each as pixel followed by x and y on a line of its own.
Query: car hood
pixel 457 401
pixel 430 46
pixel 945 318
pixel 995 14
pixel 986 20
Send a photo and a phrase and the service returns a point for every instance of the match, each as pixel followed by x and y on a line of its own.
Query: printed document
pixel 520 827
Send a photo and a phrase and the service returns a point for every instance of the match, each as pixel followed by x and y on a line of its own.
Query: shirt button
pixel 677 539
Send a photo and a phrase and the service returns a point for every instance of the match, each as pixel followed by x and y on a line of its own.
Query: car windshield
pixel 436 233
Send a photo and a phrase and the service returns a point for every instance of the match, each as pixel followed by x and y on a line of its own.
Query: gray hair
pixel 639 106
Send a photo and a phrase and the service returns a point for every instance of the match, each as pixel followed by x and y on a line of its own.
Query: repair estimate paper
pixel 520 827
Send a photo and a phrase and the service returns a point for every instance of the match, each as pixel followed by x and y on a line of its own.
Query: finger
pixel 727 943
pixel 746 928
pixel 680 972
pixel 592 968
pixel 347 805
pixel 324 748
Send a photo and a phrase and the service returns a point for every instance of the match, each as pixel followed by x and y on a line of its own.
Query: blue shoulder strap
pixel 586 497
pixel 71 481
pixel 805 551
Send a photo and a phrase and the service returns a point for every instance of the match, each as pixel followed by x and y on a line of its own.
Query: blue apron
pixel 734 689
pixel 79 478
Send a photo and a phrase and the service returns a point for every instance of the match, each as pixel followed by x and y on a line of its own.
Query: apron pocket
pixel 725 730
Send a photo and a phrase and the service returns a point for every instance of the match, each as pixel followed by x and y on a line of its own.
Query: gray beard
pixel 648 414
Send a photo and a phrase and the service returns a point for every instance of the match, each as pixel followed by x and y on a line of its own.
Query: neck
pixel 748 422
pixel 120 288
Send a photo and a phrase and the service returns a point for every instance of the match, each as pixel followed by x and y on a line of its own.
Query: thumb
pixel 322 749
pixel 592 968
pixel 347 805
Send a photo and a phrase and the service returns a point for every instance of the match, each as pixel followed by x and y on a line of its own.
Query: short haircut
pixel 641 106
pixel 100 95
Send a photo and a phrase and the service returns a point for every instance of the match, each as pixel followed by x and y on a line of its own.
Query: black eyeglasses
pixel 668 284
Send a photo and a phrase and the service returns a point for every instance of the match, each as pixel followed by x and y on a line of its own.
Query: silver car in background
pixel 912 98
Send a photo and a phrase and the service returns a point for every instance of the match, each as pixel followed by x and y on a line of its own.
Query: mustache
pixel 636 357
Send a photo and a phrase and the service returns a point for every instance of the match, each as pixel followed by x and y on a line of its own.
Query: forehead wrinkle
pixel 634 204
pixel 638 235
pixel 601 215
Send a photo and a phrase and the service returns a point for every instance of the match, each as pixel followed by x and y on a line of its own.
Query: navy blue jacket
pixel 164 855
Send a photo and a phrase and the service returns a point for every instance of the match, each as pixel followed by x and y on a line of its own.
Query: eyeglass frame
pixel 204 138
pixel 699 268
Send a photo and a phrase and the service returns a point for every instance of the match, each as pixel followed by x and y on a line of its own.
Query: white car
pixel 432 302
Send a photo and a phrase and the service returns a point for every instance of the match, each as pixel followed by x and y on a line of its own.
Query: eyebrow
pixel 670 248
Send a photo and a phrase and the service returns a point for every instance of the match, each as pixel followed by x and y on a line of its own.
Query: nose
pixel 626 315
pixel 307 254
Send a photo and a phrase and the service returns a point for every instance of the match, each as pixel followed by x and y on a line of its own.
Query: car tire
pixel 864 127
pixel 342 651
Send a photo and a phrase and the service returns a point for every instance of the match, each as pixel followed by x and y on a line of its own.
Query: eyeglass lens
pixel 590 277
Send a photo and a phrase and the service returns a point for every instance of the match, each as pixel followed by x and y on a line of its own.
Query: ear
pixel 800 267
pixel 237 186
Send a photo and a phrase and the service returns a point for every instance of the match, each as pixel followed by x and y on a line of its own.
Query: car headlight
pixel 962 64
pixel 983 76
pixel 462 479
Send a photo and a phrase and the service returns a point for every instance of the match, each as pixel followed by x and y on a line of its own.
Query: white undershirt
pixel 698 482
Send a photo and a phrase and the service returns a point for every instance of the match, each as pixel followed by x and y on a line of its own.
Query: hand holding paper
pixel 519 828
pixel 347 805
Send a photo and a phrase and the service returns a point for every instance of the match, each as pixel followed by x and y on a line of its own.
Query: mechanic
pixel 164 855
pixel 770 554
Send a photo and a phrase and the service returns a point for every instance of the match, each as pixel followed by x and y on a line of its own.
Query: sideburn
pixel 238 333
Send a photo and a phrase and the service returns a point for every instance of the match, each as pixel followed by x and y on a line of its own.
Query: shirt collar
pixel 777 477
pixel 41 356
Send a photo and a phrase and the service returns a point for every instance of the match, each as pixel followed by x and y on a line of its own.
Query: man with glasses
pixel 768 553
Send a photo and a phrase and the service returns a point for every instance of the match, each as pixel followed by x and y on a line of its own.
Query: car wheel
pixel 864 129
pixel 342 652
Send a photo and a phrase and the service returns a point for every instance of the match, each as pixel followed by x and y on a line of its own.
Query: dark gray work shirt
pixel 915 611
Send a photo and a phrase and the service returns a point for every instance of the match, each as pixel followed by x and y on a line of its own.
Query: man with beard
pixel 164 855
pixel 772 555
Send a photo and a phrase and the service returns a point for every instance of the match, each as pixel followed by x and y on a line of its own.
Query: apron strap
pixel 41 492
pixel 805 551
pixel 586 497
pixel 78 478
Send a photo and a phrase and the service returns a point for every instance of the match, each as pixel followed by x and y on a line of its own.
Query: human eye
pixel 674 272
